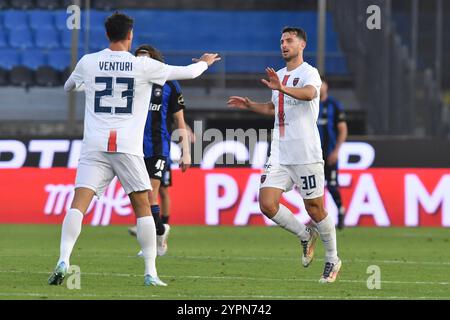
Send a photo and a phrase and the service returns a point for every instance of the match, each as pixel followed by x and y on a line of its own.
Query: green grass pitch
pixel 227 263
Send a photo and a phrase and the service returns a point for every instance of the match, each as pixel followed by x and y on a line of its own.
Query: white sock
pixel 285 219
pixel 146 236
pixel 327 233
pixel 71 228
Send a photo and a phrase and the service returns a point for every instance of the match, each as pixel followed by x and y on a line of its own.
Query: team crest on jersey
pixel 296 80
pixel 158 92
pixel 263 178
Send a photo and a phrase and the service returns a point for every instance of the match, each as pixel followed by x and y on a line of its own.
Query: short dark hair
pixel 299 32
pixel 153 52
pixel 117 26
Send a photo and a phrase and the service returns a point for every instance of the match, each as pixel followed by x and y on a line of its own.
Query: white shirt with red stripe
pixel 296 138
pixel 117 88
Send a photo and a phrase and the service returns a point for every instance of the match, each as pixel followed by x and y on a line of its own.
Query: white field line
pixel 226 278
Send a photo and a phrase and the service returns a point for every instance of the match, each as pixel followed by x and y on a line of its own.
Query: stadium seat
pixel 8 58
pixel 21 39
pixel 3 77
pixel 66 38
pixel 48 77
pixel 106 5
pixel 59 59
pixel 97 40
pixel 33 59
pixel 22 4
pixel 4 4
pixel 41 19
pixel 48 4
pixel 3 39
pixel 60 18
pixel 21 76
pixel 47 39
pixel 15 19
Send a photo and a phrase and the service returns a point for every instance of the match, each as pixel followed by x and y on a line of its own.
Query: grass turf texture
pixel 227 263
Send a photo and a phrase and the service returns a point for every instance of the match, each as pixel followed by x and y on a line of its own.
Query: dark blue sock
pixel 160 229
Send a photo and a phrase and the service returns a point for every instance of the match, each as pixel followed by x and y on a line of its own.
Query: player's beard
pixel 291 57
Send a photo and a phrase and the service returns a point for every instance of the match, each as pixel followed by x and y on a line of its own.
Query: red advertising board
pixel 373 197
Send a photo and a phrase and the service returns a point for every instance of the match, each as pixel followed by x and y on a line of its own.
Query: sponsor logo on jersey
pixel 154 107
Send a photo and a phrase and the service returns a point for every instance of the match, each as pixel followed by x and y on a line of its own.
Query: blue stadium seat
pixel 47 39
pixel 59 59
pixel 97 20
pixel 3 39
pixel 8 58
pixel 97 40
pixel 21 39
pixel 41 19
pixel 66 38
pixel 15 19
pixel 33 59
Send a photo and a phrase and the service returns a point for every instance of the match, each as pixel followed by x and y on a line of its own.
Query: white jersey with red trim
pixel 296 138
pixel 117 86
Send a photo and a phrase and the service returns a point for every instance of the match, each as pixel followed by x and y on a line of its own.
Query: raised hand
pixel 239 102
pixel 209 58
pixel 274 81
pixel 185 162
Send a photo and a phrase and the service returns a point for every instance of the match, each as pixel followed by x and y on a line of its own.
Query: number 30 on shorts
pixel 308 182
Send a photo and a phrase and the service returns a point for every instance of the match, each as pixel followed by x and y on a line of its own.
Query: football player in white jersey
pixel 296 155
pixel 117 89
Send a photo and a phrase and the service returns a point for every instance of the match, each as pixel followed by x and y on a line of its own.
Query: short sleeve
pixel 313 79
pixel 176 100
pixel 155 71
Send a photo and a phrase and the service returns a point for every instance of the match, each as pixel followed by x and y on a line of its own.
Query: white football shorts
pixel 309 178
pixel 96 170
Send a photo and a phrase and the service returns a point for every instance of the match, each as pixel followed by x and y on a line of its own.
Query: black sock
pixel 160 229
pixel 165 219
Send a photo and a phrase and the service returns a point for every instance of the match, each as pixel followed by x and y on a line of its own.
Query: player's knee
pixel 268 207
pixel 315 210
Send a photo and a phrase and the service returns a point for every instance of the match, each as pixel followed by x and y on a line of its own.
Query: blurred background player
pixel 113 135
pixel 333 133
pixel 166 107
pixel 167 182
pixel 296 155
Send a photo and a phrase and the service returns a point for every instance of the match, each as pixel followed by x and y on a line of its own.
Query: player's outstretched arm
pixel 266 108
pixel 194 70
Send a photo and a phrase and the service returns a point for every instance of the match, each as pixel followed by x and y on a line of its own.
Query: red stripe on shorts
pixel 281 115
pixel 112 141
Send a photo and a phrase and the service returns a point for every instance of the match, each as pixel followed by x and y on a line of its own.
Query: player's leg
pixel 331 176
pixel 132 174
pixel 165 204
pixel 153 169
pixel 93 175
pixel 162 230
pixel 310 179
pixel 164 195
pixel 274 182
pixel 146 236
